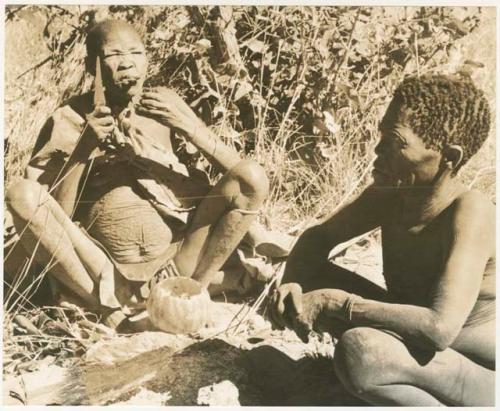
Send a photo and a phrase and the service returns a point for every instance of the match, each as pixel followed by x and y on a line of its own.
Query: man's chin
pixel 383 180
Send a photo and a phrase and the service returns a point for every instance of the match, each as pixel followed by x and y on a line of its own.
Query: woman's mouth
pixel 127 82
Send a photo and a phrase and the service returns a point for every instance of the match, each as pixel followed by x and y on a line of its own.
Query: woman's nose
pixel 125 63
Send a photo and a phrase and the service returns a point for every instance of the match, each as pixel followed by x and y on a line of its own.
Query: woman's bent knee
pixel 252 178
pixel 24 197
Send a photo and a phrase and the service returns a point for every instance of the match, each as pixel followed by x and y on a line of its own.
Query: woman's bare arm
pixel 167 107
pixel 65 188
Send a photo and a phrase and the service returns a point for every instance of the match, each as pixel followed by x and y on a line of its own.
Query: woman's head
pixel 122 54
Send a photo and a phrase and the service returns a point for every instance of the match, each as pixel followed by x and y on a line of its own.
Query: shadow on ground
pixel 263 376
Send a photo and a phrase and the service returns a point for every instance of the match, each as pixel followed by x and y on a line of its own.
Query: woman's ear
pixel 453 155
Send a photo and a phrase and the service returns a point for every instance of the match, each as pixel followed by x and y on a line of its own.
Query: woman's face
pixel 124 63
pixel 402 158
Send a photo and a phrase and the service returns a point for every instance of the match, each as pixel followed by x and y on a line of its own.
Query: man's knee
pixel 361 359
pixel 24 197
pixel 252 179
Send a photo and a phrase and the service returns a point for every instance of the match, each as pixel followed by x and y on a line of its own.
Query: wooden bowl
pixel 179 305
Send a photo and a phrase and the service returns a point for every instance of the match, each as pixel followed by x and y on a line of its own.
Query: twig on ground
pixel 261 297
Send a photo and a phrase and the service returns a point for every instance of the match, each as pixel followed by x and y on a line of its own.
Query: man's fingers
pixel 276 316
pixel 302 329
pixel 147 109
pixel 296 298
pixel 273 316
pixel 151 95
pixel 107 129
pixel 151 112
pixel 165 96
pixel 103 131
pixel 105 121
pixel 280 306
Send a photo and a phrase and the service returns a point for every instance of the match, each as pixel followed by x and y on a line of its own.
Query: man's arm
pixel 456 292
pixel 310 253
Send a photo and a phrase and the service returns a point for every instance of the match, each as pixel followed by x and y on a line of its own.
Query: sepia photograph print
pixel 280 205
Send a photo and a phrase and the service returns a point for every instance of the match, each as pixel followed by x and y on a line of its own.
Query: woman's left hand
pixel 168 108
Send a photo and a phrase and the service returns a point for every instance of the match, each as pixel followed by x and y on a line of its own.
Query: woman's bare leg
pixel 45 228
pixel 221 221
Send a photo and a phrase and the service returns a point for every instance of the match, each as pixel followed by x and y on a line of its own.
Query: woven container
pixel 179 305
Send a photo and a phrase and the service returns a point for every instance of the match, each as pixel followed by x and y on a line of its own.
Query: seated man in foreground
pixel 108 206
pixel 429 339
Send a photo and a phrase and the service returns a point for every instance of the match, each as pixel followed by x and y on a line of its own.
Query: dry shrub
pixel 303 94
pixel 300 89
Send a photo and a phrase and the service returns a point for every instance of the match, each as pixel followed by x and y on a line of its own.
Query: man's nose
pixel 380 148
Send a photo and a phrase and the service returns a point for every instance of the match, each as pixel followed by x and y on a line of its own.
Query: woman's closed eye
pixel 126 53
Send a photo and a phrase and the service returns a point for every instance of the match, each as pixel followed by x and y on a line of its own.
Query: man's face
pixel 402 158
pixel 124 63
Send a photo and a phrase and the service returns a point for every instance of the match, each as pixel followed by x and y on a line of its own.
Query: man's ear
pixel 453 155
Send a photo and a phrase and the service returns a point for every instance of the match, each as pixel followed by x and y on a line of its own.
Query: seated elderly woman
pixel 109 207
pixel 429 339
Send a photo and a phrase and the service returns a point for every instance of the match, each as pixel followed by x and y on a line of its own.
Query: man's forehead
pixel 396 115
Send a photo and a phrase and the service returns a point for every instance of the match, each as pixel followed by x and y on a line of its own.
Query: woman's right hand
pixel 100 124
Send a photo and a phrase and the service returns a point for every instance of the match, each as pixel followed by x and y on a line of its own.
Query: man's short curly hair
pixel 445 110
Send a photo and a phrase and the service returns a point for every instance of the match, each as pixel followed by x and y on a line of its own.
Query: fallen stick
pixel 25 323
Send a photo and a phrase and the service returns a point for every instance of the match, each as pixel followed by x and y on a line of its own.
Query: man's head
pixel 431 122
pixel 123 57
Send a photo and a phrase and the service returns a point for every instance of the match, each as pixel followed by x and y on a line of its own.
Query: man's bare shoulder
pixel 474 201
pixel 474 210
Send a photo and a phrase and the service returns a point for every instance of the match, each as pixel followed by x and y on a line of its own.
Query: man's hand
pixel 286 304
pixel 314 311
pixel 100 124
pixel 321 312
pixel 168 108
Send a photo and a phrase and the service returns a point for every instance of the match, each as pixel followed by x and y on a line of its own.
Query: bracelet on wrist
pixel 348 306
